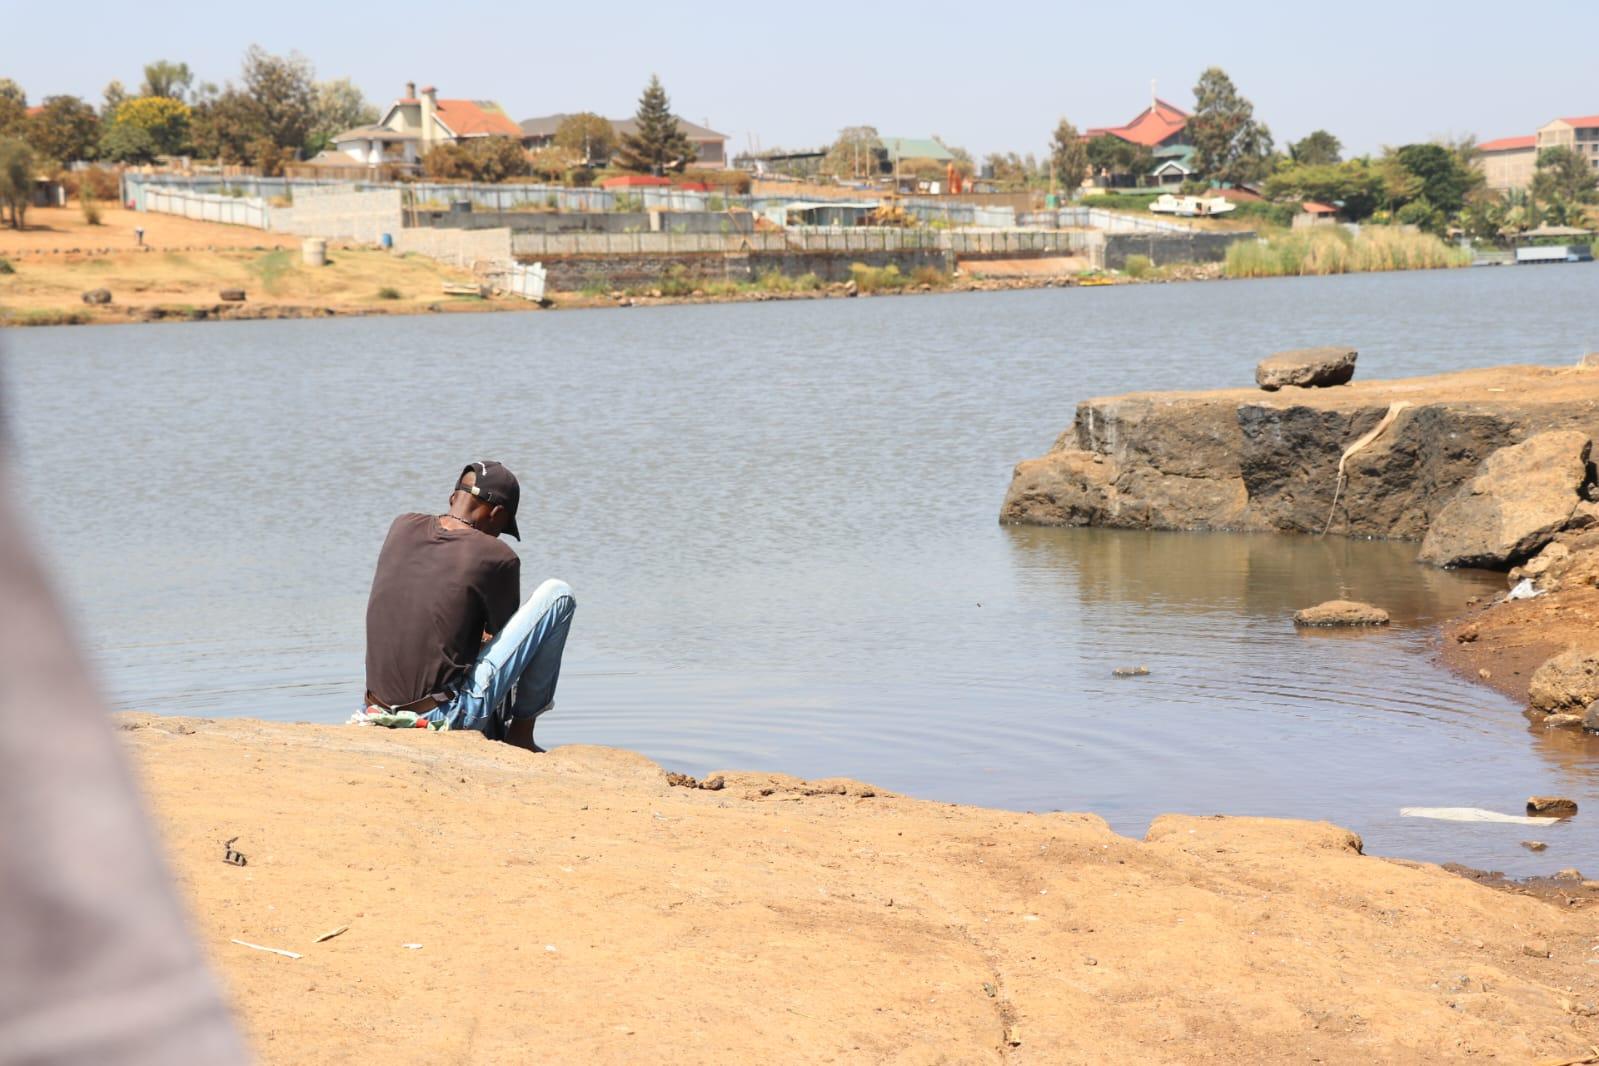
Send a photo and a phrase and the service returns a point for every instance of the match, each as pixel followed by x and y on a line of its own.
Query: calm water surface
pixel 780 522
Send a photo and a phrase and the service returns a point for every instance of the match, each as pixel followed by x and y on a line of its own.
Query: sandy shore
pixel 577 907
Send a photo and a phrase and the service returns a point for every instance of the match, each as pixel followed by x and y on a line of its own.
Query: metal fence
pixel 844 240
pixel 232 210
pixel 526 280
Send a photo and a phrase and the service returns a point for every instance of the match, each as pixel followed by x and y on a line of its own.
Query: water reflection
pixel 1256 574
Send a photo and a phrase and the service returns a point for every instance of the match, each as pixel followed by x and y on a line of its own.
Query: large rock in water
pixel 1568 682
pixel 1242 459
pixel 1520 498
pixel 1308 368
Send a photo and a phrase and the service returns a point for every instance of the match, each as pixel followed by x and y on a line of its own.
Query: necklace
pixel 454 518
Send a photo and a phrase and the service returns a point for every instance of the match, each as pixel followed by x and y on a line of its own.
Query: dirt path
pixel 576 907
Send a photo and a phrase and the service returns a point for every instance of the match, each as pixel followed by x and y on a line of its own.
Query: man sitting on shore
pixel 446 644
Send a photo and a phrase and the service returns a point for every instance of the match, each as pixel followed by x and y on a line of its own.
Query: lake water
pixel 780 520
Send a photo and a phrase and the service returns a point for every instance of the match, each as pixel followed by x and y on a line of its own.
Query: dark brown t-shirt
pixel 435 592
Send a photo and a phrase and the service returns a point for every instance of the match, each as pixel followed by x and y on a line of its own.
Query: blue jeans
pixel 515 674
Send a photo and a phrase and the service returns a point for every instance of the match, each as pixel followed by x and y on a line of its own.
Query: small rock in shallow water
pixel 1570 873
pixel 1130 671
pixel 1551 806
pixel 1561 721
pixel 1468 634
pixel 1590 717
pixel 1534 845
pixel 1341 613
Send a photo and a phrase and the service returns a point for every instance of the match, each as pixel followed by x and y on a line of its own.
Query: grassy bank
pixel 1334 250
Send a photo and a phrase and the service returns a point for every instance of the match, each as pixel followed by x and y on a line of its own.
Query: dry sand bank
pixel 576 907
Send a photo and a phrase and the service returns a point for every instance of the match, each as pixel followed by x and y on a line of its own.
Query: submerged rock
pixel 1565 683
pixel 1341 613
pixel 1307 368
pixel 1519 499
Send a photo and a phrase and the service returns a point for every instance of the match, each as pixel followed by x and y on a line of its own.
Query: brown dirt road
pixel 575 907
pixel 188 263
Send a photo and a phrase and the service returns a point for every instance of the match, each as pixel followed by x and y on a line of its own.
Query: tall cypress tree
pixel 658 145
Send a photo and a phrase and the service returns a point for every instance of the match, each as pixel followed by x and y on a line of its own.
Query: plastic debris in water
pixel 1469 814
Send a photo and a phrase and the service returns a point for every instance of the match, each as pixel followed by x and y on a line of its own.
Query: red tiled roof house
pixel 417 122
pixel 1160 125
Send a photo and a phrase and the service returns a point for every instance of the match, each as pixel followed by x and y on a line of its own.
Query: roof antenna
pixel 1153 99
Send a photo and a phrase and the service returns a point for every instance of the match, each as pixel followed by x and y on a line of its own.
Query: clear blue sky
pixel 990 77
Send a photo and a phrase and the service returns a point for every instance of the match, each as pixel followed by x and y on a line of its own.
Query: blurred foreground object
pixel 96 962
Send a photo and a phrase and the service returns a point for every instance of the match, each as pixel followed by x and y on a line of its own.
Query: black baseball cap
pixel 494 485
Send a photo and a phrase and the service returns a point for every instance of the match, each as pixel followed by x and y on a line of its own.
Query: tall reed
pixel 1334 250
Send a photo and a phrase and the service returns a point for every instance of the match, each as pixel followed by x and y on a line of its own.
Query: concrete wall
pixel 341 214
pixel 571 273
pixel 1164 248
pixel 461 247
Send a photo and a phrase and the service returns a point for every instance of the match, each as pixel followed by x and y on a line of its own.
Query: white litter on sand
pixel 1470 814
pixel 275 951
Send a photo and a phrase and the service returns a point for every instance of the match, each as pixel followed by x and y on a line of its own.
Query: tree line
pixel 278 112
pixel 1436 186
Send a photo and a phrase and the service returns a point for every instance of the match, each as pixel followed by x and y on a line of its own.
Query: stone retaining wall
pixel 1167 248
pixel 572 273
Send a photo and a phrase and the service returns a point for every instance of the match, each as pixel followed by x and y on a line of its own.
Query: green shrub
pixel 677 282
pixel 1138 266
pixel 388 292
pixel 45 317
pixel 877 279
pixel 90 208
pixel 597 285
pixel 929 275
pixel 6 267
pixel 715 203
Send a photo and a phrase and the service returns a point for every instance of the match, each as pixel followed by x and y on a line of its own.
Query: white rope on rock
pixel 1387 420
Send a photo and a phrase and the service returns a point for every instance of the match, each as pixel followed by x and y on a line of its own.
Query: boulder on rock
pixel 1520 498
pixel 1341 613
pixel 97 296
pixel 1590 718
pixel 1307 368
pixel 1566 683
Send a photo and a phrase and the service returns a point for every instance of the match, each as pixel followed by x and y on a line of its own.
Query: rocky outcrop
pixel 1237 460
pixel 1520 498
pixel 1341 613
pixel 1566 683
pixel 1307 368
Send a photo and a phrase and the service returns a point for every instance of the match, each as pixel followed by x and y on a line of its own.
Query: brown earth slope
pixel 576 907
